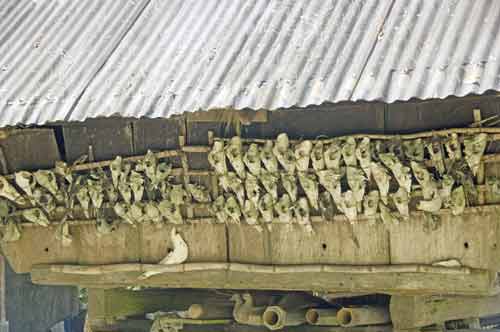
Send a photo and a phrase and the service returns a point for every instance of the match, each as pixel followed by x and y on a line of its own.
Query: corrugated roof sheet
pixel 69 60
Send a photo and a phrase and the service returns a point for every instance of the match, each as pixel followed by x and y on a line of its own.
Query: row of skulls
pixel 369 169
pixel 135 192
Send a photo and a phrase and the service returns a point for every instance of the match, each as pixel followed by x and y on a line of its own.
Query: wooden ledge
pixel 388 279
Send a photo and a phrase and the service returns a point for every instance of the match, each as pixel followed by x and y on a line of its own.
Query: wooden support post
pixel 418 311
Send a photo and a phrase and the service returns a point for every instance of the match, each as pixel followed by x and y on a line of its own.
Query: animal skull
pixel 235 156
pixel 95 193
pixel 302 155
pixel 217 208
pixel 252 189
pixel 269 181
pixel 152 213
pixel 326 206
pixel 357 182
pixel 363 154
pixel 283 209
pixel 44 199
pixel 62 169
pixel 148 165
pixel 116 170
pixel 289 182
pixel 474 150
pixel 136 183
pixel 349 151
pixel 403 176
pixel 386 215
pixel 268 158
pixel 232 209
pixel 330 180
pixel 457 201
pixel 199 193
pixel 47 180
pixel 26 181
pixel 333 154
pixel 103 227
pixel 302 214
pixel 349 206
pixel 12 232
pixel 401 200
pixel 370 203
pixel 251 213
pixel 9 192
pixel 170 211
pixel 310 186
pixel 318 156
pixel 178 195
pixel 453 147
pixel 252 159
pixel 414 149
pixel 266 207
pixel 122 210
pixel 217 158
pixel 436 152
pixel 125 192
pixel 36 216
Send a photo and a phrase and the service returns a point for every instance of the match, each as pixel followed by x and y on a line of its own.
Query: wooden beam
pixel 110 304
pixel 418 311
pixel 402 279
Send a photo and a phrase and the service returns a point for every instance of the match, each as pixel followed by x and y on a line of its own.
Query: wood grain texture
pixel 418 311
pixel 410 280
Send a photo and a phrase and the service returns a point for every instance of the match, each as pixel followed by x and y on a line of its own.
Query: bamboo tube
pixel 276 318
pixel 365 315
pixel 322 317
pixel 210 311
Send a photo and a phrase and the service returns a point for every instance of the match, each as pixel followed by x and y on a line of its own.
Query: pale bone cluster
pixel 136 192
pixel 350 176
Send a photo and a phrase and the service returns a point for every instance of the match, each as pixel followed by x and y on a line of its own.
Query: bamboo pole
pixel 363 315
pixel 322 317
pixel 277 317
pixel 210 311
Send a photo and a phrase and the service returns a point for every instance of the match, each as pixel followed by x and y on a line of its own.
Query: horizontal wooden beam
pixel 409 312
pixel 393 279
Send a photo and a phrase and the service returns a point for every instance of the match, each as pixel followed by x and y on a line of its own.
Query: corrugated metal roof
pixel 69 60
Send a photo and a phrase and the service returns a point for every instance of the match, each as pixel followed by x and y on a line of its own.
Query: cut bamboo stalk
pixel 322 317
pixel 210 311
pixel 276 317
pixel 365 315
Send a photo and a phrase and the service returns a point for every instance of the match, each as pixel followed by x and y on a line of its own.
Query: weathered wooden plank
pixel 109 304
pixel 418 311
pixel 206 242
pixel 338 242
pixel 388 279
pixel 470 238
pixel 29 149
pixel 146 243
pixel 249 245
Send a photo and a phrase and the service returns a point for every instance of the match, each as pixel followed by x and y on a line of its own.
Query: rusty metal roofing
pixel 70 60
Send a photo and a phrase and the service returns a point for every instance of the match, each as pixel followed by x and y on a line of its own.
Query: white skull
pixel 199 193
pixel 36 216
pixel 363 154
pixel 318 156
pixel 217 158
pixel 289 182
pixel 252 159
pixel 235 155
pixel 310 185
pixel 414 149
pixel 349 151
pixel 303 155
pixel 268 158
pixel 47 180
